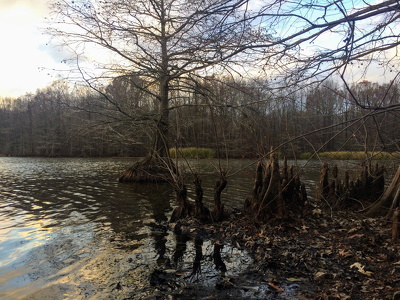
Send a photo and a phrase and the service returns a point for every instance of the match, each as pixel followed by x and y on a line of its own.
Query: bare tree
pixel 315 40
pixel 166 44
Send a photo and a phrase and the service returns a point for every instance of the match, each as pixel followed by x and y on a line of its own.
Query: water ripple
pixel 68 227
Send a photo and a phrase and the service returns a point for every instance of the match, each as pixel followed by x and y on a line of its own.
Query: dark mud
pixel 322 255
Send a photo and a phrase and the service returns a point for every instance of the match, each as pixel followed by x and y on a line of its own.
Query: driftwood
pixel 346 193
pixel 275 195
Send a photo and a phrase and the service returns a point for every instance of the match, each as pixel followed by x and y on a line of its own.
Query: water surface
pixel 69 230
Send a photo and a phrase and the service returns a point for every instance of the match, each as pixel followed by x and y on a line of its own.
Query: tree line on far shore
pixel 238 119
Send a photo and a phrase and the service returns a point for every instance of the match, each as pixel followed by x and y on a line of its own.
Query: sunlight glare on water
pixel 68 228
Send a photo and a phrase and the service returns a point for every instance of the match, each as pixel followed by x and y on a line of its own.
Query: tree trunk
pixel 161 143
pixel 157 166
pixel 161 139
pixel 151 169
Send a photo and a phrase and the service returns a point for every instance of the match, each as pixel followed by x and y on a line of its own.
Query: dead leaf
pixel 356 235
pixel 317 211
pixel 293 279
pixel 360 268
pixel 275 287
pixel 345 253
pixel 353 230
pixel 304 228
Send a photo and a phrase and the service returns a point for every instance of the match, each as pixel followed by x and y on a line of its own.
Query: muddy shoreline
pixel 322 255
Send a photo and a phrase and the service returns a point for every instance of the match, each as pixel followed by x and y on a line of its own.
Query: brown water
pixel 69 230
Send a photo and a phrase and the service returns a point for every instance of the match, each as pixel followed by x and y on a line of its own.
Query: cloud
pixel 22 59
pixel 37 7
pixel 57 53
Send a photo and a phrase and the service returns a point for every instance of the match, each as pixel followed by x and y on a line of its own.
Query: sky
pixel 26 62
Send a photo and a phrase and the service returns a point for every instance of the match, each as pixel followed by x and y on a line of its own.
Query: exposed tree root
pixel 185 208
pixel 151 169
pixel 201 212
pixel 218 212
pixel 275 194
pixel 368 187
pixel 389 201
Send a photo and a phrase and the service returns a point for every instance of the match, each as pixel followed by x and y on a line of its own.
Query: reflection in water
pixel 205 262
pixel 180 248
pixel 160 241
pixel 68 228
pixel 59 216
pixel 219 263
pixel 198 244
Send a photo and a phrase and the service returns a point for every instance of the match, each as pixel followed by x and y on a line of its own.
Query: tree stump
pixel 323 189
pixel 219 263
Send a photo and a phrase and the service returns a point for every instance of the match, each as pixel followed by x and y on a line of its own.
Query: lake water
pixel 69 230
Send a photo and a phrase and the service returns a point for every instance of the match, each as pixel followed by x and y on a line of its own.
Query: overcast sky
pixel 26 61
pixel 23 50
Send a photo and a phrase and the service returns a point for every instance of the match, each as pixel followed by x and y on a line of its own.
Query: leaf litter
pixel 325 255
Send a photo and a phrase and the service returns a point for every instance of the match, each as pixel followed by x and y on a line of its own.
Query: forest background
pixel 238 77
pixel 243 120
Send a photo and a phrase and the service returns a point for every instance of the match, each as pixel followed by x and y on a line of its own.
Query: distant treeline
pixel 235 119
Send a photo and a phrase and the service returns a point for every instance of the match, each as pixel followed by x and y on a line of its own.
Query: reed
pixel 192 152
